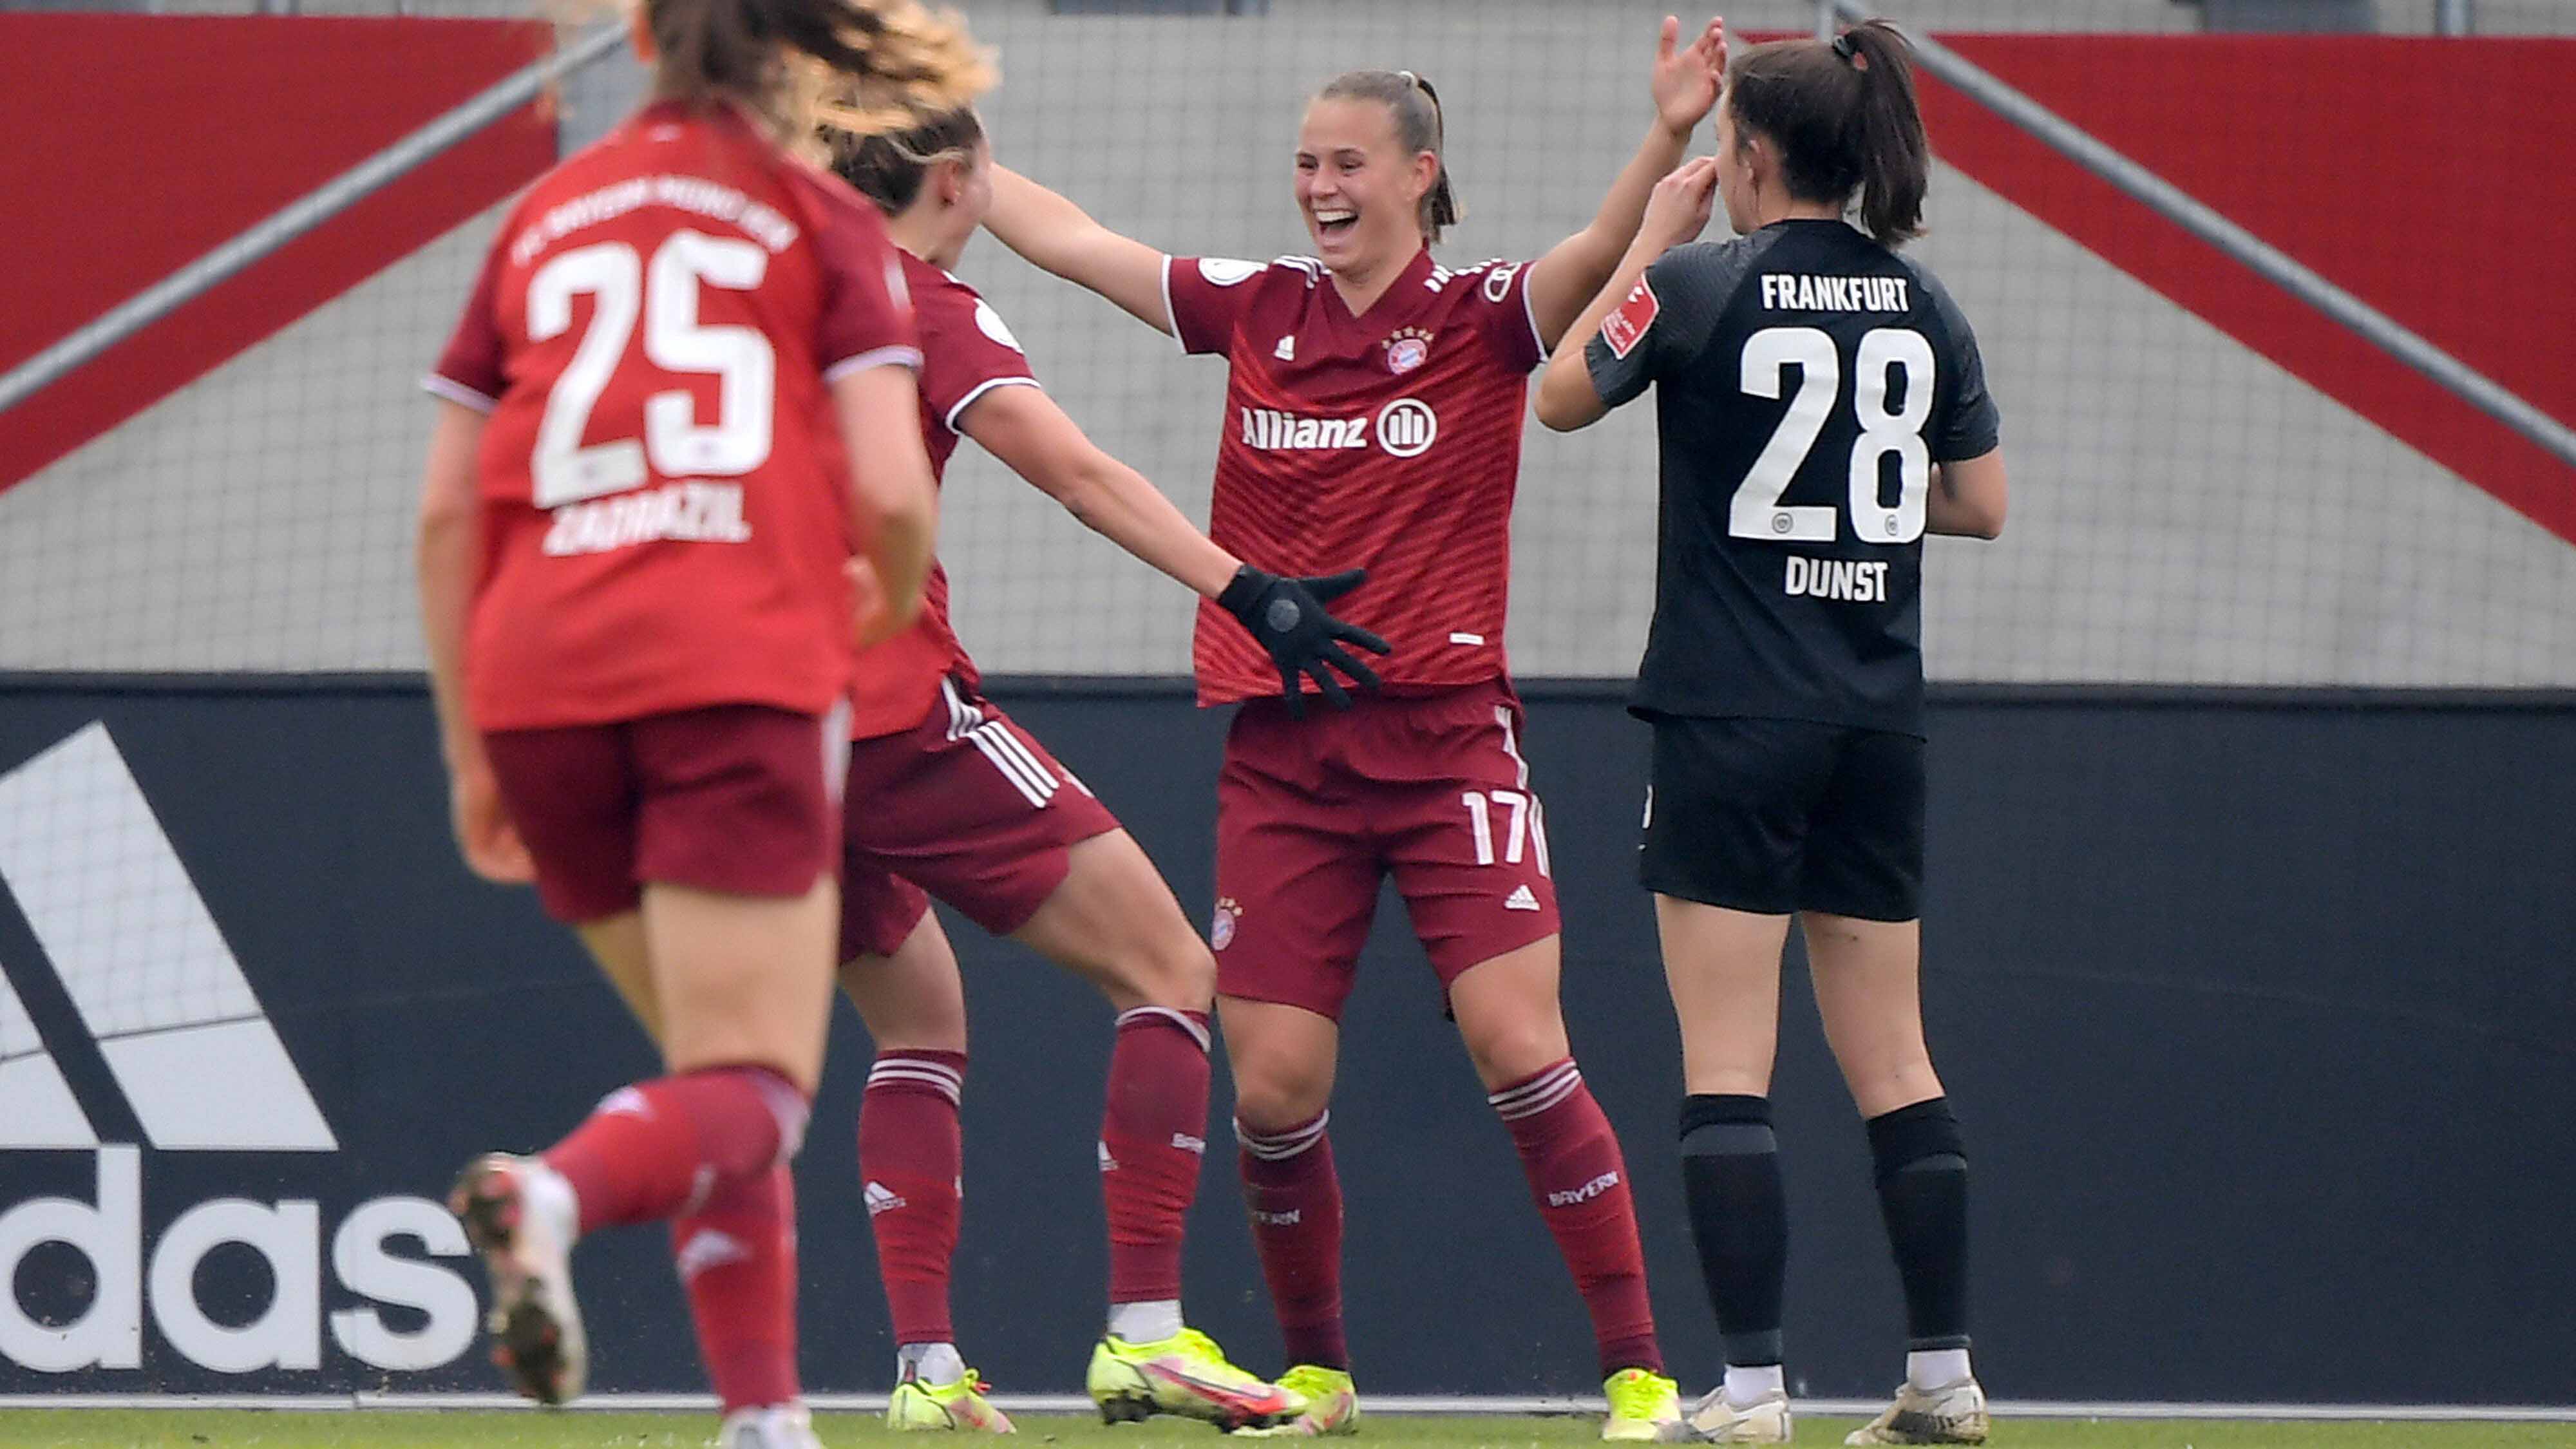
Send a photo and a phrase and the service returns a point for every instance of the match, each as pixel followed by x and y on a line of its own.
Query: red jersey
pixel 966 353
pixel 664 504
pixel 1390 441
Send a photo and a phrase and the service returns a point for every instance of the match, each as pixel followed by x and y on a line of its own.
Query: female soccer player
pixel 1822 406
pixel 1374 416
pixel 949 795
pixel 681 389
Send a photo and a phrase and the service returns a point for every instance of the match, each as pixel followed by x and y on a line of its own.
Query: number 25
pixel 679 446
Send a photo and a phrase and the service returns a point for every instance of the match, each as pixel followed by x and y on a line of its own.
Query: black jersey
pixel 1809 379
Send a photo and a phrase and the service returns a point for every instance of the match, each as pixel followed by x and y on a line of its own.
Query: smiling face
pixel 1360 190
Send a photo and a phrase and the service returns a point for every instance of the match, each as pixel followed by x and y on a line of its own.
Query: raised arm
pixel 1686 83
pixel 1569 397
pixel 1024 428
pixel 1057 236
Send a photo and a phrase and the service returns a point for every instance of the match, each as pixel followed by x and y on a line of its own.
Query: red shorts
pixel 738 798
pixel 1311 814
pixel 965 805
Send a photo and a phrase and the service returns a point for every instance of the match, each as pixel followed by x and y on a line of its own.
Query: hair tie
pixel 1843 45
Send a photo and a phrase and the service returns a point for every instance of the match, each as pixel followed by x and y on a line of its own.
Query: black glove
pixel 1287 618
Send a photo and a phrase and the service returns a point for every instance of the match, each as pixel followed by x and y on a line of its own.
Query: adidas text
pixel 130 1275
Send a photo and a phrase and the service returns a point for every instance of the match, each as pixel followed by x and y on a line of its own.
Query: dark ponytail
pixel 883 61
pixel 1415 106
pixel 889 167
pixel 1843 116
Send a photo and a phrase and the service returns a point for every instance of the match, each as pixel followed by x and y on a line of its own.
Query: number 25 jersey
pixel 664 510
pixel 1808 379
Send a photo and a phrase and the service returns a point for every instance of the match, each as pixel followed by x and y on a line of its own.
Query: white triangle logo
pixel 1286 351
pixel 1520 899
pixel 144 965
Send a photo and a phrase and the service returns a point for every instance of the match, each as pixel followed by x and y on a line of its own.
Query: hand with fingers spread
pixel 1287 617
pixel 1679 209
pixel 1688 77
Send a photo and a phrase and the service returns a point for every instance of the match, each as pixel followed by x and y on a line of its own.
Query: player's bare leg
pixel 910 1154
pixel 1115 923
pixel 1868 990
pixel 1723 970
pixel 1509 1017
pixel 726 983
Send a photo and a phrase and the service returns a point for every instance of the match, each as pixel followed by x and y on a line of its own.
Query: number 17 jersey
pixel 1808 379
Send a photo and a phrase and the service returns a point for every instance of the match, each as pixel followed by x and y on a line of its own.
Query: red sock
pixel 658 1149
pixel 910 1155
pixel 1153 1137
pixel 1296 1203
pixel 737 1259
pixel 1581 1185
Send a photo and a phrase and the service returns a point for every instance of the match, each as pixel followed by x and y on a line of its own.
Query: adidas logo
pixel 1107 1162
pixel 881 1198
pixel 1187 1143
pixel 144 974
pixel 1521 899
pixel 1286 351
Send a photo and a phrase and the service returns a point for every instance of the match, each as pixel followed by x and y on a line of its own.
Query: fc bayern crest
pixel 1407 350
pixel 1221 930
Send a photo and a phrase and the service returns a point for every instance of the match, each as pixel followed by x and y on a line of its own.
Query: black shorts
pixel 1775 815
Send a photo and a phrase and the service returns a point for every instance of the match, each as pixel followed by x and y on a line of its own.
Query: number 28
pixel 1757 512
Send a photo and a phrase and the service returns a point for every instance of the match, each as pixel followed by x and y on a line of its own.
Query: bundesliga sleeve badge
pixel 1624 328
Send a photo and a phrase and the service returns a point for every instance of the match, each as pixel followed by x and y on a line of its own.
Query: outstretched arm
pixel 1060 237
pixel 1025 429
pixel 1686 82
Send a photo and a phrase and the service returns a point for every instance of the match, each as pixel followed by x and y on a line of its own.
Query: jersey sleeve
pixel 1634 343
pixel 1206 297
pixel 866 316
pixel 967 351
pixel 1971 426
pixel 1500 309
pixel 469 369
pixel 1665 320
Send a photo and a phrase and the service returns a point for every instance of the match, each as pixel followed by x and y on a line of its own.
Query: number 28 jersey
pixel 1807 380
pixel 664 506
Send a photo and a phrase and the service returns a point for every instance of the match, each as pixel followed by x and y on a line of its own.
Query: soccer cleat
pixel 1719 1420
pixel 917 1406
pixel 1185 1375
pixel 779 1426
pixel 1645 1408
pixel 1951 1414
pixel 520 1216
pixel 1332 1405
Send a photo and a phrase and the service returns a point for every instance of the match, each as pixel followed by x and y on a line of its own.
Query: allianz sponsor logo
pixel 1404 428
pixel 1585 1193
pixel 158 991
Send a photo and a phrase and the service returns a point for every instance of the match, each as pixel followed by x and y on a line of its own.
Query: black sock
pixel 1731 1172
pixel 1922 1170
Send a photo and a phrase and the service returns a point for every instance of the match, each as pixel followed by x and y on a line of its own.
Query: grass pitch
pixel 455 1429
